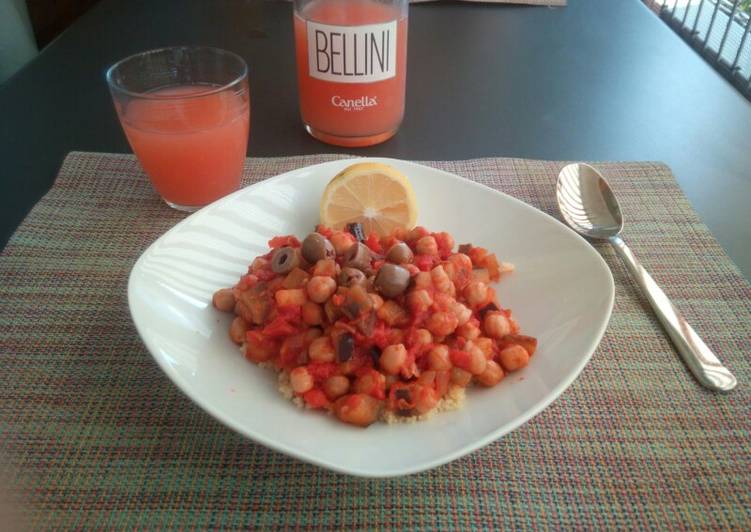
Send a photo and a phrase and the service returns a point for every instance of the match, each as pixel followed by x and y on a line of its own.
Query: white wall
pixel 17 43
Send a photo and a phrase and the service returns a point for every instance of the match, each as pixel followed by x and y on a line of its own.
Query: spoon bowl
pixel 587 202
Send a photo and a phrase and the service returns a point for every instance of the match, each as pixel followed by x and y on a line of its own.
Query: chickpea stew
pixel 369 328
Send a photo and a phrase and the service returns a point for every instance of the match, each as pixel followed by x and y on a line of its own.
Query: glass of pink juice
pixel 351 68
pixel 186 113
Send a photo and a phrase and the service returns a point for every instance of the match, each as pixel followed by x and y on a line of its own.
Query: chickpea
pixel 447 239
pixel 301 380
pixel 376 299
pixel 349 367
pixel 342 241
pixel 321 350
pixel 442 381
pixel 461 269
pixel 438 358
pixel 370 382
pixel 426 378
pixel 326 268
pixel 492 375
pixel 419 300
pixel 423 337
pixel 423 280
pixel 425 399
pixel 412 269
pixel 460 376
pixel 312 313
pixel 450 269
pixel 440 279
pixel 393 314
pixel 477 360
pixel 462 313
pixel 476 293
pixel 481 274
pixel 321 288
pixel 292 296
pixel 485 344
pixel 416 233
pixel 400 233
pixel 252 310
pixel 312 334
pixel 395 336
pixel 393 358
pixel 427 246
pixel 442 302
pixel 468 330
pixel 357 409
pixel 442 323
pixel 452 290
pixel 224 300
pixel 336 386
pixel 513 357
pixel 496 325
pixel 461 261
pixel 259 349
pixel 237 330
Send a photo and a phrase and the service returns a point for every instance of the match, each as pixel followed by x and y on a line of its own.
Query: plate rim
pixel 304 456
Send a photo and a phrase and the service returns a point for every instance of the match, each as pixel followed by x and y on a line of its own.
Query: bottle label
pixel 352 54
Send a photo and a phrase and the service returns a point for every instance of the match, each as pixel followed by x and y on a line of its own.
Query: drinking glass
pixel 186 113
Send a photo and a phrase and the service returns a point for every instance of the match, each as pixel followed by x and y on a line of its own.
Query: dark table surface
pixel 592 81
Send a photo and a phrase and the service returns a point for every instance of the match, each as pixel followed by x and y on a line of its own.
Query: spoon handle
pixel 699 358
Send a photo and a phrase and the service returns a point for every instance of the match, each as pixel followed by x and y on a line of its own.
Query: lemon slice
pixel 374 194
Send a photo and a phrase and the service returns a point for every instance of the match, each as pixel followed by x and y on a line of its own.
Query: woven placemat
pixel 94 435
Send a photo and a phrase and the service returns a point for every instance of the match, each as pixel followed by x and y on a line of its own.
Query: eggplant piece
pixel 345 347
pixel 357 230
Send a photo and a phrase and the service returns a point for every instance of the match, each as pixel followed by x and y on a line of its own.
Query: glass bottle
pixel 351 68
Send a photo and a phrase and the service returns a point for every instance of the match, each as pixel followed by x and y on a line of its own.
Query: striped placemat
pixel 93 435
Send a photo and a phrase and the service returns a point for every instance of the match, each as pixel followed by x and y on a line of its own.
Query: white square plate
pixel 561 292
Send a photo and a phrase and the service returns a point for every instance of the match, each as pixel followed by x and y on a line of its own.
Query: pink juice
pixel 191 145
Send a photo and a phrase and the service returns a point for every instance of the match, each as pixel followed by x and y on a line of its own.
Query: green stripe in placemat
pixel 94 435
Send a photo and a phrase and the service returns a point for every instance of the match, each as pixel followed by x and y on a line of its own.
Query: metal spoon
pixel 589 206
